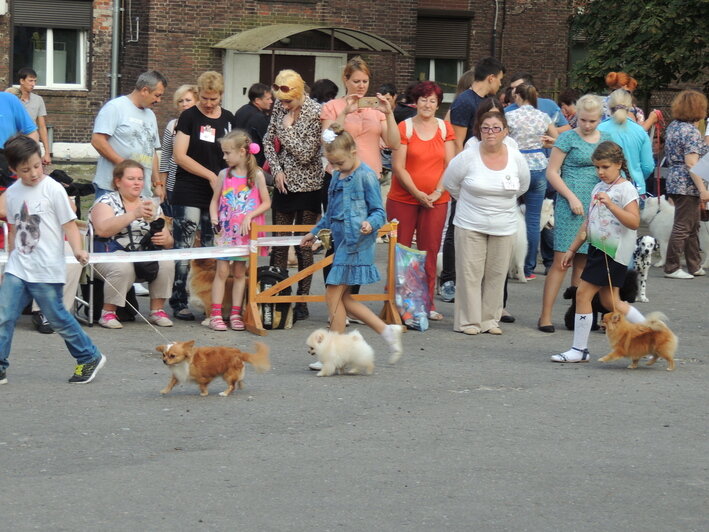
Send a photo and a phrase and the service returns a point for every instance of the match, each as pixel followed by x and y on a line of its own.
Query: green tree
pixel 658 42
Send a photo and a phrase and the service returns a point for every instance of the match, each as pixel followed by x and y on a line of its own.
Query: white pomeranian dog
pixel 341 353
pixel 519 252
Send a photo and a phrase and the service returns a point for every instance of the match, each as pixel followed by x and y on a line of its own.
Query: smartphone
pixel 369 101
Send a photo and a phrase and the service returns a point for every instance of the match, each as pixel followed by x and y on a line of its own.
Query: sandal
pixel 236 322
pixel 216 323
pixel 434 315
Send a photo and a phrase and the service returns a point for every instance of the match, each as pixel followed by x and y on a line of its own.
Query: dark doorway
pixel 271 65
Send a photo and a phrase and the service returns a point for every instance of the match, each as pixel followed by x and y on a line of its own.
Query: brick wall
pixel 178 42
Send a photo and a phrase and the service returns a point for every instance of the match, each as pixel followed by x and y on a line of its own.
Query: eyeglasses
pixel 282 88
pixel 493 129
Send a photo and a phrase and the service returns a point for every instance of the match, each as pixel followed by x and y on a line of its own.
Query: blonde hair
pixel 342 141
pixel 590 103
pixel 291 79
pixel 182 90
pixel 619 103
pixel 238 139
pixel 210 81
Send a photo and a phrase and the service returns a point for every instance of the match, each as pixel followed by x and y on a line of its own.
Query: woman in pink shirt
pixel 368 126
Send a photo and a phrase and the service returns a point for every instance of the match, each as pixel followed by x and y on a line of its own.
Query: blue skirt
pixel 348 268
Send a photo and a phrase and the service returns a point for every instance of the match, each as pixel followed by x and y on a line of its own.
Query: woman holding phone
pixel 367 121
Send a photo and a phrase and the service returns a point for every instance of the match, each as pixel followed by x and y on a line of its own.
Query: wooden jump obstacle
pixel 252 316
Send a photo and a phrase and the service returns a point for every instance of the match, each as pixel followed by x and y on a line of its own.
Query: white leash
pixel 167 341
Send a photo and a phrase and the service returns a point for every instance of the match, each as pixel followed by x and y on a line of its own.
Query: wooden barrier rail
pixel 252 316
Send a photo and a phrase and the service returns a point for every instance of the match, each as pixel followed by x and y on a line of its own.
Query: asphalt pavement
pixel 464 433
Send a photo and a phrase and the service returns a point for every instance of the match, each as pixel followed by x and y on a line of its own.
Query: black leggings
pixel 279 255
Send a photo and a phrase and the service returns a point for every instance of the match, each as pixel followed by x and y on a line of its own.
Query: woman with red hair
pixel 622 80
pixel 417 198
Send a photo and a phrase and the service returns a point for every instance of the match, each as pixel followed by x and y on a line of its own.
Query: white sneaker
pixel 679 274
pixel 700 272
pixel 392 336
pixel 109 320
pixel 159 318
pixel 140 290
pixel 315 366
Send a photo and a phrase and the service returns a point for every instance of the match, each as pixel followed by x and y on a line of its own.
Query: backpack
pixel 409 128
pixel 274 315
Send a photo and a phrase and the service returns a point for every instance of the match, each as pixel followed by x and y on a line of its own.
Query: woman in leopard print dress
pixel 292 147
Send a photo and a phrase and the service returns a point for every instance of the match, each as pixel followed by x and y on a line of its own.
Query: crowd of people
pixel 457 187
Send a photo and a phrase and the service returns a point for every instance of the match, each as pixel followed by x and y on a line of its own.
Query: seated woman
pixel 119 219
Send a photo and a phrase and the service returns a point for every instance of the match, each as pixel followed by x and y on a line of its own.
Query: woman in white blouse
pixel 532 128
pixel 486 179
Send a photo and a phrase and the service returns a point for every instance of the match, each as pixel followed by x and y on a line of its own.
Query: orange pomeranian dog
pixel 203 364
pixel 199 281
pixel 635 340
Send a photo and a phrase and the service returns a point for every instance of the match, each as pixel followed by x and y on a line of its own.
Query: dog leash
pixel 167 341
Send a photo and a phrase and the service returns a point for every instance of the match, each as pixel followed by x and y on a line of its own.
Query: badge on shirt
pixel 510 182
pixel 207 133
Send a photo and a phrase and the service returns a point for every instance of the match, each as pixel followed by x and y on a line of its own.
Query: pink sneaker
pixel 236 322
pixel 159 318
pixel 216 323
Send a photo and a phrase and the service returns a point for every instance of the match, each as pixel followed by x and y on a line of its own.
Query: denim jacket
pixel 362 200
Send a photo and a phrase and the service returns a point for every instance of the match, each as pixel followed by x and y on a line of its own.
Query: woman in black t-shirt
pixel 199 159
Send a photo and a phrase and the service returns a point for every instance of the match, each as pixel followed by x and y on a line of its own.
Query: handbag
pixel 144 271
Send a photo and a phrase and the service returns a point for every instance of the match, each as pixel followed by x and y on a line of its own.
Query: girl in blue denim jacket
pixel 354 215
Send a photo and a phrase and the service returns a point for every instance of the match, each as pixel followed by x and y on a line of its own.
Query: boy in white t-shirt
pixel 39 215
pixel 613 218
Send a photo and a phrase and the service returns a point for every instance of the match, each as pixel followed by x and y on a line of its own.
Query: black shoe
pixel 300 312
pixel 183 314
pixel 85 373
pixel 41 323
pixel 507 318
pixel 3 377
pixel 546 328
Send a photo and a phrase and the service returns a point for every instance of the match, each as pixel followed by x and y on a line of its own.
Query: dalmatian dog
pixel 642 257
pixel 27 230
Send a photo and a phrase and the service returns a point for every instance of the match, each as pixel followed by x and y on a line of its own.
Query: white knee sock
pixel 582 328
pixel 634 315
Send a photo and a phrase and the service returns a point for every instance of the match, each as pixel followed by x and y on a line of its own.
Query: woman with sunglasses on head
pixel 292 147
pixel 486 178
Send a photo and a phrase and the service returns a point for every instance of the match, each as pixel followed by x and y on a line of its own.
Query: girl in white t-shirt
pixel 613 218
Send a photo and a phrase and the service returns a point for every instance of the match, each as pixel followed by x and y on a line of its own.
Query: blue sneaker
pixel 447 291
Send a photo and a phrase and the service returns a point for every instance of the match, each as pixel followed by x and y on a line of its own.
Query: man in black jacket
pixel 254 116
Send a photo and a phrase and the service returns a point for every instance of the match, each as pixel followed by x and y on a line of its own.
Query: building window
pixel 57 55
pixel 445 72
pixel 442 43
pixel 51 37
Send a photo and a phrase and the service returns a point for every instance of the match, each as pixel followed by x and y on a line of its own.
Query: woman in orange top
pixel 417 198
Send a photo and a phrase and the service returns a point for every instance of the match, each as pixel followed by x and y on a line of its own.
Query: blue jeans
pixel 15 294
pixel 185 221
pixel 533 199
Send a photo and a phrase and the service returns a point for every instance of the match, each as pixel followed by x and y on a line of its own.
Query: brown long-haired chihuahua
pixel 203 364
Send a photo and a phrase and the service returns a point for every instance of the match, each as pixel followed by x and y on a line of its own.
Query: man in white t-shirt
pixel 126 128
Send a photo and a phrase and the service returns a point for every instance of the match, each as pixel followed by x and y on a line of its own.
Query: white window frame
pixel 83 48
pixel 448 97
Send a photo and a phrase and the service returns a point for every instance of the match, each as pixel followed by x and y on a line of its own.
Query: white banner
pixel 180 254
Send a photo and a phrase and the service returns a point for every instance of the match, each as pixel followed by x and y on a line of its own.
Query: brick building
pixel 249 40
